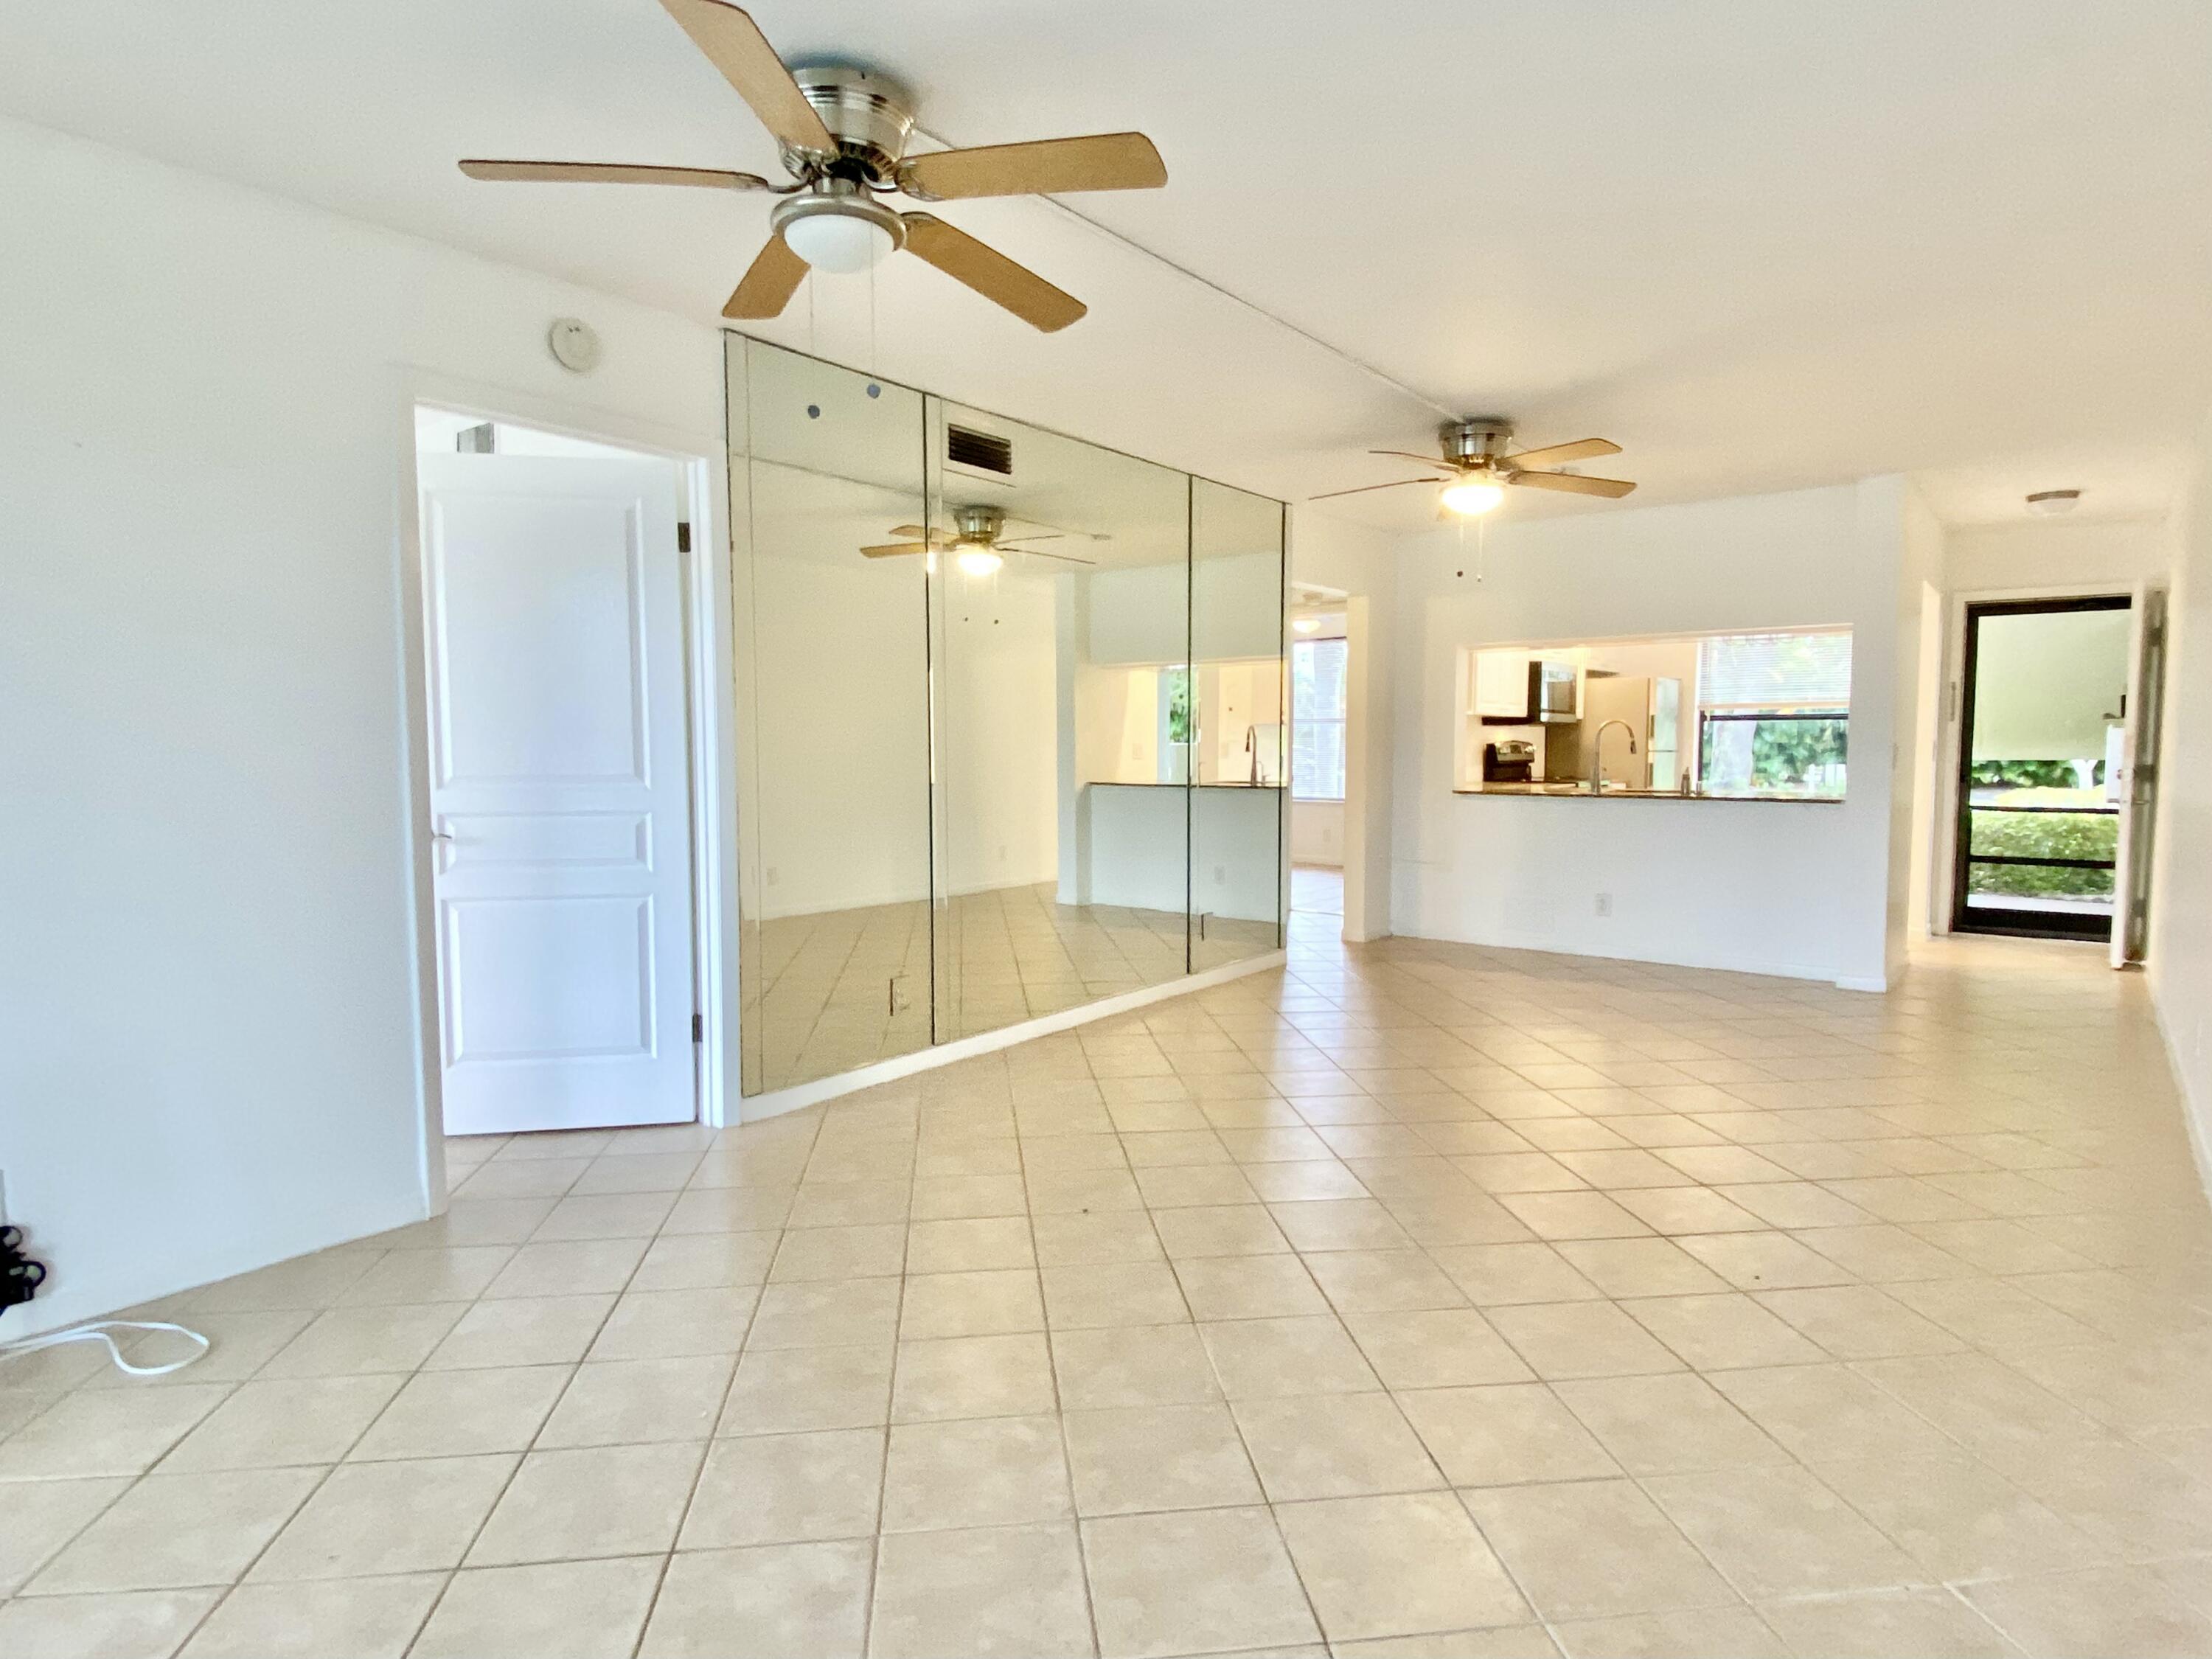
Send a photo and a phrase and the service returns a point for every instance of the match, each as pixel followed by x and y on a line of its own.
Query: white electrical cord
pixel 97 1331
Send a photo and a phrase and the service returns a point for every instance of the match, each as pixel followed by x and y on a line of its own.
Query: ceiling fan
pixel 1479 469
pixel 843 133
pixel 978 544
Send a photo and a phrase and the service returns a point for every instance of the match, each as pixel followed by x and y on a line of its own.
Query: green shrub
pixel 2042 834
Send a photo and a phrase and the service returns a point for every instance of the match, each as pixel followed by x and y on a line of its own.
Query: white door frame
pixel 702 463
pixel 1942 864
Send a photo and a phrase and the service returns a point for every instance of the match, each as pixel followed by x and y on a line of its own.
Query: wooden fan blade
pixel 768 283
pixel 1039 553
pixel 735 46
pixel 1571 484
pixel 1399 483
pixel 1559 454
pixel 1047 167
pixel 991 273
pixel 894 549
pixel 612 172
pixel 1425 461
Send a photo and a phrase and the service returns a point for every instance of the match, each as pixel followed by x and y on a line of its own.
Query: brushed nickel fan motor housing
pixel 1476 441
pixel 839 199
pixel 870 116
pixel 980 524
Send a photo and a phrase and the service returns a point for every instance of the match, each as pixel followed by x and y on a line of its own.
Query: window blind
pixel 1774 670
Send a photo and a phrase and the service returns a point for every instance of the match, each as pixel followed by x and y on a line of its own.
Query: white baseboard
pixel 1663 956
pixel 158 1274
pixel 776 1101
pixel 2192 1109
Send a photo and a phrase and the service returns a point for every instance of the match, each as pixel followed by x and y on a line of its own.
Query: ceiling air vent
pixel 984 452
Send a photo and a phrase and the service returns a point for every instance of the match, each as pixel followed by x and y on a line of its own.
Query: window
pixel 1773 714
pixel 1177 737
pixel 1317 672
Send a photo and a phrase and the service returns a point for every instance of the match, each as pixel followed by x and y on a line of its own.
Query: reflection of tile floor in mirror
pixel 1483 1301
pixel 1010 955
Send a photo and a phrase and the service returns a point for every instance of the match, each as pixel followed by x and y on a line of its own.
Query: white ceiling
pixel 1760 246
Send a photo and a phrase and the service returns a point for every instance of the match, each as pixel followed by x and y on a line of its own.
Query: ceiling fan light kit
pixel 977 541
pixel 1471 497
pixel 842 134
pixel 840 230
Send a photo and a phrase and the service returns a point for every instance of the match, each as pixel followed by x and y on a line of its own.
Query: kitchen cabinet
pixel 1501 685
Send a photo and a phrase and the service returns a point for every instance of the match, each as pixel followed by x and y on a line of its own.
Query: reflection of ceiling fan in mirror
pixel 1479 470
pixel 978 544
pixel 843 133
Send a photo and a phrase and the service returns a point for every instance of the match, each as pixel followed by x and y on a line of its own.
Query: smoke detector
pixel 2049 503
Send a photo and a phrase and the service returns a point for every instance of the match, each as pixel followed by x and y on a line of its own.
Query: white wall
pixel 209 1057
pixel 2034 553
pixel 2180 955
pixel 1917 670
pixel 999 734
pixel 1786 888
pixel 1318 832
pixel 1363 564
pixel 833 674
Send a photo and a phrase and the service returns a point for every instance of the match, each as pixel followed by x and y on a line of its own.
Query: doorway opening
pixel 561 775
pixel 2043 761
pixel 1319 670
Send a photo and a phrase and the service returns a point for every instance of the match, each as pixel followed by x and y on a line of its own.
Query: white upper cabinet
pixel 1501 685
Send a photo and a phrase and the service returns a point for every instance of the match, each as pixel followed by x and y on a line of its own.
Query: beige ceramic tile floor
pixel 1417 1300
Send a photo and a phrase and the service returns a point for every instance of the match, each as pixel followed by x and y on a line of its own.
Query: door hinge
pixel 698 1028
pixel 683 535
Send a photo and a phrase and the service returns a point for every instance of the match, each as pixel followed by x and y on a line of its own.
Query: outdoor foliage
pixel 1784 751
pixel 2032 774
pixel 2043 835
pixel 1775 755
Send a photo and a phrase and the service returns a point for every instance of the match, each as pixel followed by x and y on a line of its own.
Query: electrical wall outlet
pixel 1220 875
pixel 1604 904
pixel 771 875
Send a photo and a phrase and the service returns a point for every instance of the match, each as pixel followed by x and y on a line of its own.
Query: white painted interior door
pixel 559 793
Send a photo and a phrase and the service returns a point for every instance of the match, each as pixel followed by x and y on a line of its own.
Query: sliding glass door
pixel 2041 759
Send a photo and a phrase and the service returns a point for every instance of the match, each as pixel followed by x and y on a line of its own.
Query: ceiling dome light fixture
pixel 2049 503
pixel 1472 495
pixel 1305 625
pixel 978 561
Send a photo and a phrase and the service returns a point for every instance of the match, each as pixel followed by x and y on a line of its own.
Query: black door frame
pixel 1990 919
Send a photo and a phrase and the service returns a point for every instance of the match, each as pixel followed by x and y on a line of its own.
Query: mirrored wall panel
pixel 1058 609
pixel 1011 719
pixel 1241 726
pixel 831 664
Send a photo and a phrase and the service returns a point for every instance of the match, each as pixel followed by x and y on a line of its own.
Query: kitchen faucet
pixel 1597 753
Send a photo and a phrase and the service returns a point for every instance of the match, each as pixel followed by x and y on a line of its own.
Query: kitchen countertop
pixel 1613 791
